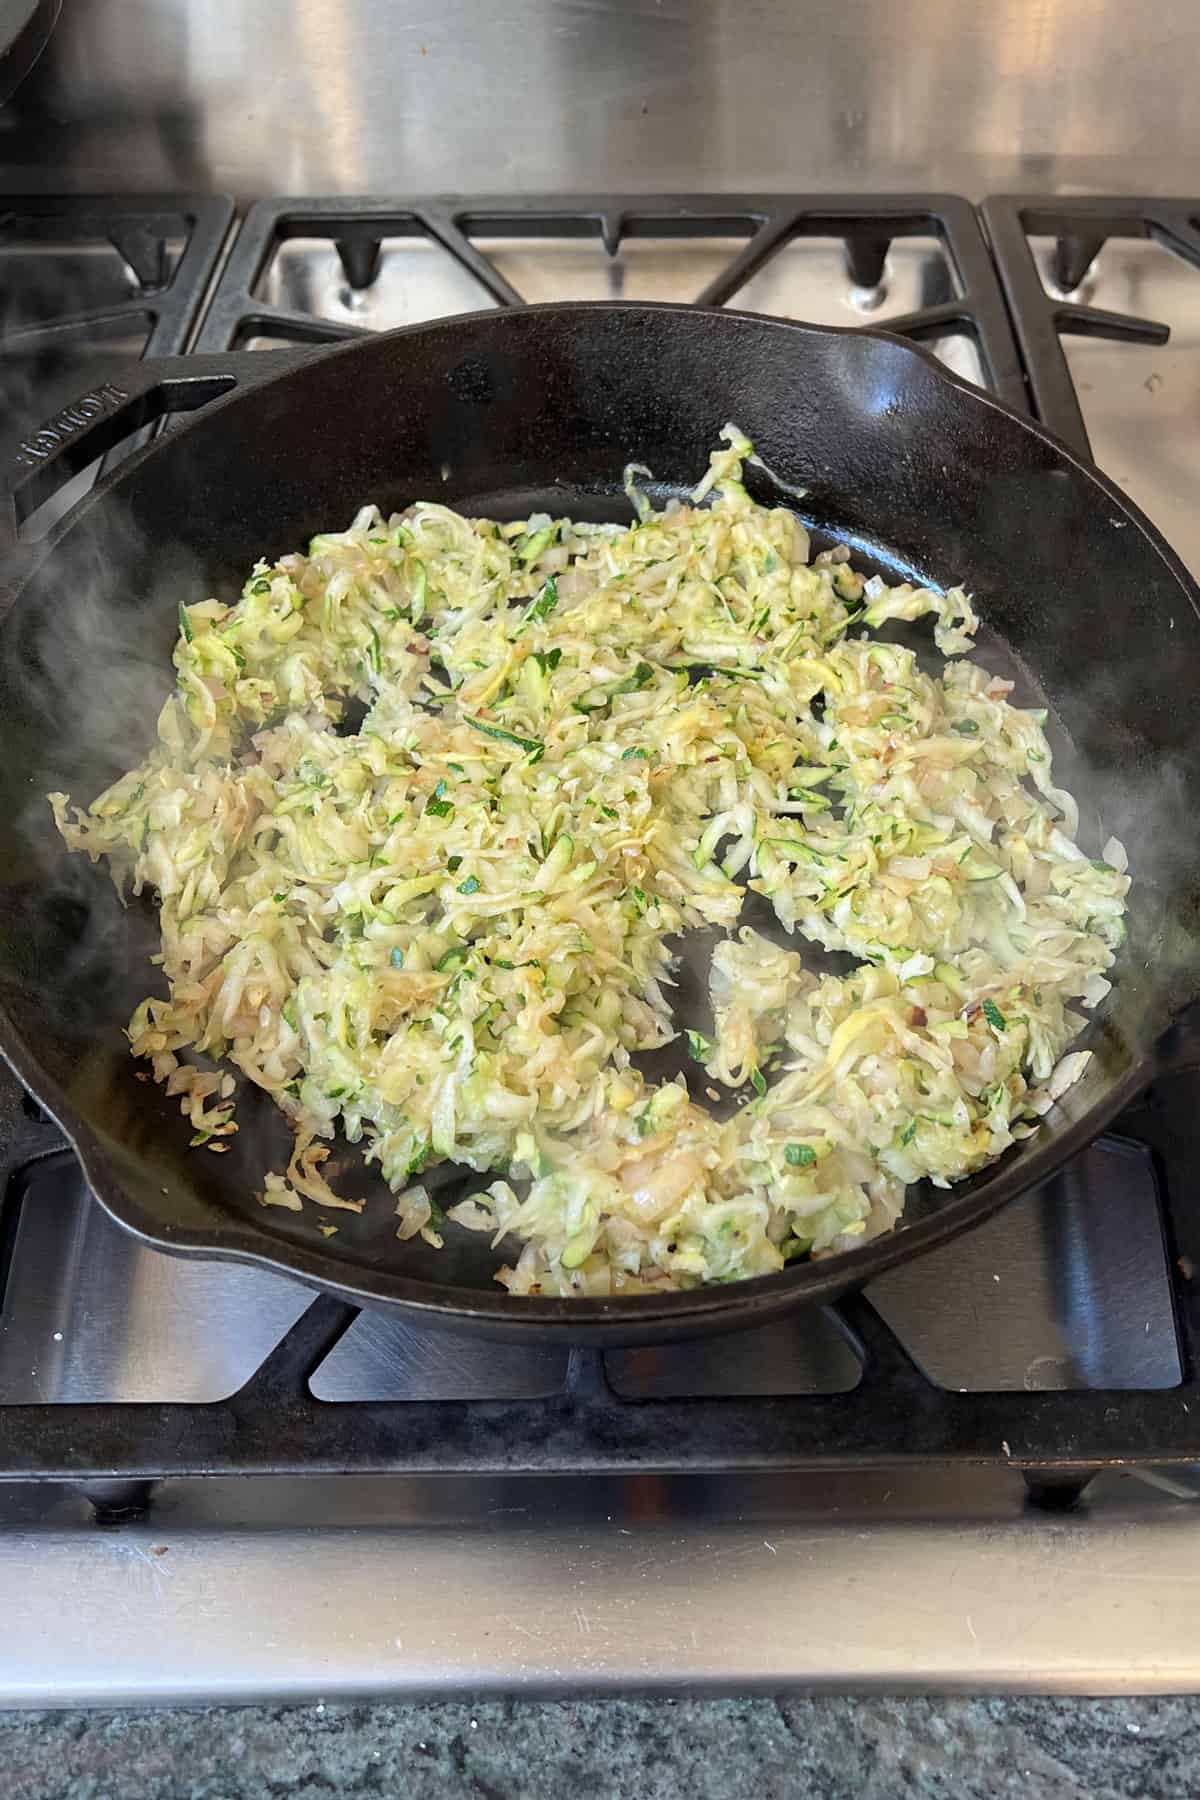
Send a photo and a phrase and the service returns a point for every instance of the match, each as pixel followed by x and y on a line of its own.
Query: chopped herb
pixel 609 812
pixel 908 1134
pixel 543 606
pixel 501 962
pixel 698 1044
pixel 642 676
pixel 470 885
pixel 375 650
pixel 279 899
pixel 801 1156
pixel 635 752
pixel 261 586
pixel 185 624
pixel 454 955
pixel 965 727
pixel 457 767
pixel 397 957
pixel 453 863
pixel 420 1156
pixel 758 1081
pixel 439 809
pixel 640 898
pixel 994 1016
pixel 547 660
pixel 1105 868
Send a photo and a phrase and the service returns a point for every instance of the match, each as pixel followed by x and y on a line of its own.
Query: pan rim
pixel 624 1318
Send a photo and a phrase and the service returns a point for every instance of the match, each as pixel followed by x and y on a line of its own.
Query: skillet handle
pixel 128 398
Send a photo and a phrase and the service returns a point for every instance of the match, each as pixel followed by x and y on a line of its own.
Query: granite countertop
pixel 873 1749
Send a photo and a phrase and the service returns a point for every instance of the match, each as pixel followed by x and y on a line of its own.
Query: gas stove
pixel 980 1473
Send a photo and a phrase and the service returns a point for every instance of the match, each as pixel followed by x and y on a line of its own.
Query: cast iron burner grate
pixel 895 1417
pixel 1080 228
pixel 166 245
pixel 482 252
pixel 90 281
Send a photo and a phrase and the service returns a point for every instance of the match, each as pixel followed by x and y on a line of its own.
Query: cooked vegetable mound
pixel 447 928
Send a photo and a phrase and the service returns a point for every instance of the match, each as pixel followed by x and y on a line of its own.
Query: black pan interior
pixel 541 409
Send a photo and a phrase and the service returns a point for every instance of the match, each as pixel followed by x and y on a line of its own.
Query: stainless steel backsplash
pixel 522 96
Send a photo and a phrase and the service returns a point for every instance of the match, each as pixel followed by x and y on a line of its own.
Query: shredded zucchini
pixel 445 933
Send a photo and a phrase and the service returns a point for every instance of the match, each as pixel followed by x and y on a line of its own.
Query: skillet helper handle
pixel 127 399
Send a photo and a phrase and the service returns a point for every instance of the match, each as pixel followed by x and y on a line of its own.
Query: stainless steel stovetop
pixel 338 1585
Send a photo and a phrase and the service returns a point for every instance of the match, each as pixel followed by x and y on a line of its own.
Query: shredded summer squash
pixel 447 928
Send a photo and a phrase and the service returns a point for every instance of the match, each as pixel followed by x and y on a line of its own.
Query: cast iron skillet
pixel 502 413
